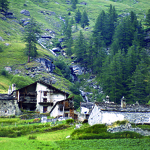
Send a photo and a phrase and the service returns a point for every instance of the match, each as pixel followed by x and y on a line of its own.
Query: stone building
pixel 110 112
pixel 43 97
pixel 64 108
pixel 8 105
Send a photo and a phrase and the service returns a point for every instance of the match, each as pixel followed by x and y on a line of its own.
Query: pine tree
pixel 78 16
pixel 80 49
pixel 73 4
pixel 4 5
pixel 105 24
pixel 99 25
pixel 97 53
pixel 84 20
pixel 148 18
pixel 138 85
pixel 32 31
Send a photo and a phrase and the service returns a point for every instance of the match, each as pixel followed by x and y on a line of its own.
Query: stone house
pixel 85 109
pixel 64 108
pixel 107 113
pixel 8 105
pixel 42 97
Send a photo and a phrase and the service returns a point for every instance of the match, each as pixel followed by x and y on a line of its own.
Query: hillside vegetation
pixel 97 52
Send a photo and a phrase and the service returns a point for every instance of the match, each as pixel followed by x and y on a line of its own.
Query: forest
pixel 116 53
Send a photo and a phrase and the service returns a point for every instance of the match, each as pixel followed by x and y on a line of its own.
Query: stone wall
pixel 128 127
pixel 9 107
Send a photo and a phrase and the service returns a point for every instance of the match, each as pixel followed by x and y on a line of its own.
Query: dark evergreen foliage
pixel 116 54
pixel 78 16
pixel 4 5
pixel 84 20
pixel 32 31
pixel 148 18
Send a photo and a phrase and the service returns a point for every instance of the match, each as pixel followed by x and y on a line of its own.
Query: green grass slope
pixel 48 14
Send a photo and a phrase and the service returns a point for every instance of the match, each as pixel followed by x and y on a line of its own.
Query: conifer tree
pixel 4 5
pixel 32 31
pixel 78 16
pixel 84 20
pixel 148 18
pixel 138 85
pixel 80 49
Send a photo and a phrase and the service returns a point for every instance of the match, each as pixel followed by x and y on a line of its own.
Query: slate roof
pixel 88 105
pixel 46 84
pixel 6 97
pixel 116 107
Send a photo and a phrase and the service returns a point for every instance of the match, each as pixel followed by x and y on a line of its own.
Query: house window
pixel 45 100
pixel 45 93
pixel 44 109
pixel 66 115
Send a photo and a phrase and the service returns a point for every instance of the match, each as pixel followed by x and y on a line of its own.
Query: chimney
pixel 123 102
pixel 13 87
pixel 107 99
pixel 50 82
pixel 9 90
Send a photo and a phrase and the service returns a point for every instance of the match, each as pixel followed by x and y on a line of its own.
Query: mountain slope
pixel 51 15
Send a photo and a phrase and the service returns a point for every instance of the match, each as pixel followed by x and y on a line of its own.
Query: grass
pixel 56 140
pixel 4 84
pixel 12 31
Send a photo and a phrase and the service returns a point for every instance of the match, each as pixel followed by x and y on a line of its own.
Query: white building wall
pixel 101 117
pixel 51 97
pixel 56 112
pixel 84 110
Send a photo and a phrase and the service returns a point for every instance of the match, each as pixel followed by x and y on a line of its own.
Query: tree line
pixel 116 53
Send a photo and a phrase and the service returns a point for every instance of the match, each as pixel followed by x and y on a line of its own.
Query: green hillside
pixel 51 15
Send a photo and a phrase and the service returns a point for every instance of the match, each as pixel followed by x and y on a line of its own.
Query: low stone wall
pixel 128 127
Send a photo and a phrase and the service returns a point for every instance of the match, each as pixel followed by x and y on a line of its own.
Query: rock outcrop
pixel 25 12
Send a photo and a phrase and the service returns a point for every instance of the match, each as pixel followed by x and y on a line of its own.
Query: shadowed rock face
pixel 47 64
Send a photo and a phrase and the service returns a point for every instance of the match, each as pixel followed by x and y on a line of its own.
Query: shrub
pixel 32 137
pixel 4 72
pixel 126 134
pixel 21 81
pixel 123 122
pixel 69 121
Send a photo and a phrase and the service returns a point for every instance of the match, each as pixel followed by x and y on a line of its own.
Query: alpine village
pixel 75 74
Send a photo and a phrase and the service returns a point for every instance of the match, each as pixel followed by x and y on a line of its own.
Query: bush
pixel 32 137
pixel 13 135
pixel 123 122
pixel 21 81
pixel 69 121
pixel 4 73
pixel 126 134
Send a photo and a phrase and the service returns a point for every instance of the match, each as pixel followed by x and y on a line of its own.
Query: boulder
pixel 56 49
pixel 8 68
pixel 25 12
pixel 26 23
pixel 1 39
pixel 24 20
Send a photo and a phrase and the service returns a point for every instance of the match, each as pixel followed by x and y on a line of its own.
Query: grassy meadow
pixel 53 137
pixel 57 140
